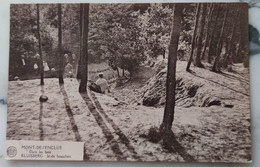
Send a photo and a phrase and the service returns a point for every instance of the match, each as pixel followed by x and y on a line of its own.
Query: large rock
pixel 189 92
pixel 151 100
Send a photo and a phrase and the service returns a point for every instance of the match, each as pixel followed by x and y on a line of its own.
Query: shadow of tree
pixel 40 116
pixel 171 144
pixel 193 73
pixel 122 136
pixel 234 77
pixel 168 141
pixel 69 113
pixel 72 120
pixel 101 123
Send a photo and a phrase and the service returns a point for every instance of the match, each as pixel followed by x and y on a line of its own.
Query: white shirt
pixel 103 84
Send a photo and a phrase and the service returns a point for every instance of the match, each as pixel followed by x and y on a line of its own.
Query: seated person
pixel 102 83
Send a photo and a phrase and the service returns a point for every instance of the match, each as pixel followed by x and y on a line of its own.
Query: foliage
pixel 23 39
pixel 114 35
pixel 155 26
pixel 123 34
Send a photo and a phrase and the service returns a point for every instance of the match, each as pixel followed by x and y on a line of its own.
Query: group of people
pixel 69 70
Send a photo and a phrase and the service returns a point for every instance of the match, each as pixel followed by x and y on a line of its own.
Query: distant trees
pixel 209 21
pixel 23 37
pixel 125 35
pixel 40 44
pixel 168 116
pixel 84 47
pixel 155 27
pixel 218 36
pixel 211 44
pixel 220 42
pixel 123 46
pixel 193 37
pixel 199 35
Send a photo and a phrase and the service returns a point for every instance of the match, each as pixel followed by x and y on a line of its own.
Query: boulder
pixel 151 100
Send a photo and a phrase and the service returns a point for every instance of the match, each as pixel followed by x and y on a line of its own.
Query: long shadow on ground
pixel 40 116
pixel 172 145
pixel 169 142
pixel 109 136
pixel 72 120
pixel 118 131
pixel 235 77
pixel 193 73
pixel 69 113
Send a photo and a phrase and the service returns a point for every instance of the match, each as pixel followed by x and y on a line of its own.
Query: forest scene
pixel 135 82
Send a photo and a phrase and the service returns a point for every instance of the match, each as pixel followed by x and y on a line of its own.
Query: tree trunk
pixel 168 116
pixel 211 10
pixel 61 66
pixel 229 42
pixel 219 45
pixel 117 70
pixel 193 37
pixel 200 35
pixel 212 36
pixel 232 44
pixel 84 39
pixel 80 41
pixel 238 49
pixel 239 46
pixel 40 45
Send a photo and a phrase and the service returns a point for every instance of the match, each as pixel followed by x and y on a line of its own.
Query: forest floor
pixel 117 127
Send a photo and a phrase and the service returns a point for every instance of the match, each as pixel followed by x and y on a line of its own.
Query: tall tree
pixel 229 41
pixel 40 44
pixel 61 66
pixel 211 37
pixel 80 45
pixel 199 35
pixel 193 37
pixel 84 40
pixel 171 79
pixel 220 42
pixel 211 10
pixel 244 54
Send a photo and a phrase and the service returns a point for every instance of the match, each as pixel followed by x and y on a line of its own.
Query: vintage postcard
pixel 129 82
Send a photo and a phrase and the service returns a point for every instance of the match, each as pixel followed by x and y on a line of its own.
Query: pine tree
pixel 193 37
pixel 61 66
pixel 80 47
pixel 199 35
pixel 40 44
pixel 219 44
pixel 84 40
pixel 168 116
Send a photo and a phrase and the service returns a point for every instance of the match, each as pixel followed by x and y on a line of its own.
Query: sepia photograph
pixel 132 81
